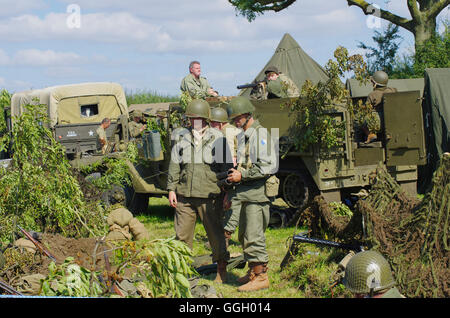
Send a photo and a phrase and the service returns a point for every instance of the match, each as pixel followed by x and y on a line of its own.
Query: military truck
pixel 75 112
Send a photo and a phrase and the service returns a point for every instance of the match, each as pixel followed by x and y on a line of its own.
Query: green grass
pixel 148 97
pixel 307 276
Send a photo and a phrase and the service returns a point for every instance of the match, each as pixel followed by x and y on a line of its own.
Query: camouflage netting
pixel 411 234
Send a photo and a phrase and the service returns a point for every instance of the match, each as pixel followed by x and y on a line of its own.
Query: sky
pixel 147 45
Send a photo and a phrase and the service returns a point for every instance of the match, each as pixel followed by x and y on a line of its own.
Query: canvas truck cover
pixel 360 90
pixel 291 60
pixel 436 113
pixel 65 103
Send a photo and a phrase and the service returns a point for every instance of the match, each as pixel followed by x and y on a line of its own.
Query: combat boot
pixel 246 278
pixel 221 276
pixel 371 138
pixel 258 279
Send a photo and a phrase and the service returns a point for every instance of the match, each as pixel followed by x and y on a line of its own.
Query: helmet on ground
pixel 198 108
pixel 367 271
pixel 219 114
pixel 380 78
pixel 238 106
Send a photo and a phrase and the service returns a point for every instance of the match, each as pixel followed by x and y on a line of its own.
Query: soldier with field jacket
pixel 257 163
pixel 197 157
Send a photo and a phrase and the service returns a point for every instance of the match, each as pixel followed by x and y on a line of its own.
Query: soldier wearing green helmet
pixel 136 125
pixel 192 182
pixel 257 161
pixel 279 85
pixel 374 124
pixel 368 274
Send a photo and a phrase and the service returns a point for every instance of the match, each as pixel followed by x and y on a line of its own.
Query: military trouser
pixel 232 216
pixel 207 209
pixel 253 222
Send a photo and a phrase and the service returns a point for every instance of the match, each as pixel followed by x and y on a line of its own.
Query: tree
pixel 423 13
pixel 383 56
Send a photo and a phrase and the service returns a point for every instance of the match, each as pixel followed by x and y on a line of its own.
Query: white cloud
pixel 20 6
pixel 4 58
pixel 34 57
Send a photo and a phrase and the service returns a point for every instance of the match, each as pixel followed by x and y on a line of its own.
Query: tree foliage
pixel 39 192
pixel 314 123
pixel 383 56
pixel 422 23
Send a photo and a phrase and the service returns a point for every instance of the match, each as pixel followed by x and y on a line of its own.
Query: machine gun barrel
pixel 316 241
pixel 247 86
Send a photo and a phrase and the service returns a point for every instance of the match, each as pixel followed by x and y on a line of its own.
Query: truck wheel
pixel 296 190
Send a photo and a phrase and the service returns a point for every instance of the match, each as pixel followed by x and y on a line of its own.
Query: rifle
pixel 304 239
pixel 222 179
pixel 9 289
pixel 37 244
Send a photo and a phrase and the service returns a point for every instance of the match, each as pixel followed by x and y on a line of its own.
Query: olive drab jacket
pixel 376 96
pixel 283 87
pixel 197 88
pixel 135 128
pixel 194 164
pixel 257 160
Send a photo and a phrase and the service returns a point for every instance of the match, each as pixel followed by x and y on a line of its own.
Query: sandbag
pixel 138 230
pixel 115 236
pixel 30 284
pixel 120 216
pixel 26 244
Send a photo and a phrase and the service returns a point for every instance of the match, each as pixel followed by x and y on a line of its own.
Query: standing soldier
pixel 102 143
pixel 257 162
pixel 192 183
pixel 219 120
pixel 375 98
pixel 136 126
pixel 368 274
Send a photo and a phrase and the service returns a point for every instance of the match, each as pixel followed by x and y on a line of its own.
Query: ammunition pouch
pixel 271 186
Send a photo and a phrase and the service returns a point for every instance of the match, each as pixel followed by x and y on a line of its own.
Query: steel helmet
pixel 367 271
pixel 380 78
pixel 219 114
pixel 238 106
pixel 198 108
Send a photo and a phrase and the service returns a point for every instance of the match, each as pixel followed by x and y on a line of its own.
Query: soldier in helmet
pixel 375 98
pixel 196 85
pixel 279 85
pixel 136 126
pixel 192 182
pixel 257 161
pixel 368 274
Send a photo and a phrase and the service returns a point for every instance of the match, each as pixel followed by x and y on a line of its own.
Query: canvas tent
pixel 291 60
pixel 65 103
pixel 436 113
pixel 360 90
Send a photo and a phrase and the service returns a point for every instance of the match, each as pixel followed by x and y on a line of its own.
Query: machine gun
pixel 253 85
pixel 293 248
pixel 304 239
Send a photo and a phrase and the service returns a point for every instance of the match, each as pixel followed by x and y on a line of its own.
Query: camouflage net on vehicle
pixel 411 234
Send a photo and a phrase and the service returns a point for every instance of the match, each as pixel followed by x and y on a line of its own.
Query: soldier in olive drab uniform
pixel 197 86
pixel 373 125
pixel 368 274
pixel 136 126
pixel 257 161
pixel 197 156
pixel 102 141
pixel 280 85
pixel 219 120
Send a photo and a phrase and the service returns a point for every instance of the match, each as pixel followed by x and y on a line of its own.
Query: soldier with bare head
pixel 197 86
